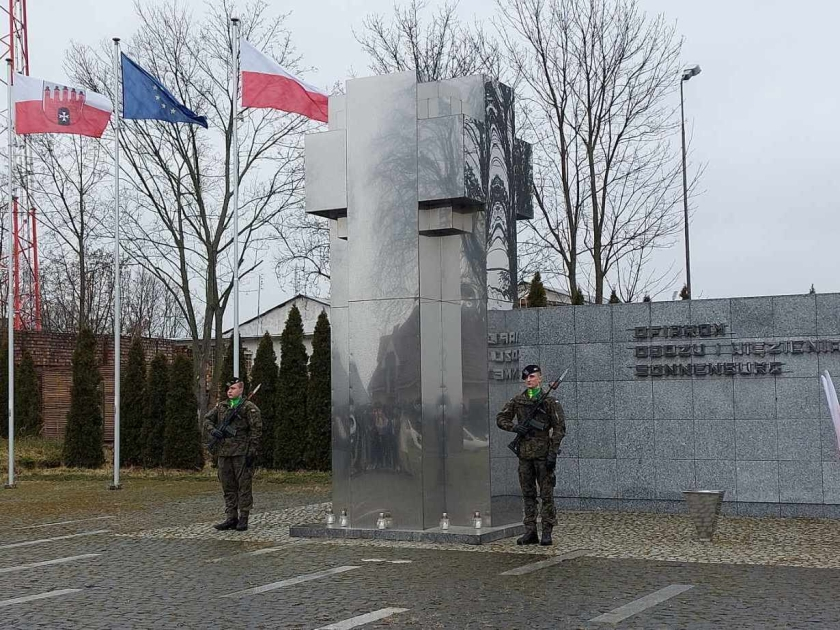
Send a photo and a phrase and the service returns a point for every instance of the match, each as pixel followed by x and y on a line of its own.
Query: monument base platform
pixel 459 535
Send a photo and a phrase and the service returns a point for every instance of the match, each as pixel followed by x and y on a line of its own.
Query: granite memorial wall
pixel 669 396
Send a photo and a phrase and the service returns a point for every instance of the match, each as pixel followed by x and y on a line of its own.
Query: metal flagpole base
pixel 10 486
pixel 113 487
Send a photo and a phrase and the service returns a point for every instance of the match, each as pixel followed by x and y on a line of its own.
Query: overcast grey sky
pixel 763 114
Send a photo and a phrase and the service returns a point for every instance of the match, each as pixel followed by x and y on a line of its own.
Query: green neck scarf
pixel 534 392
pixel 235 402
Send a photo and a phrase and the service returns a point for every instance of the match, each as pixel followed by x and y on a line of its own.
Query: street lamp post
pixel 693 71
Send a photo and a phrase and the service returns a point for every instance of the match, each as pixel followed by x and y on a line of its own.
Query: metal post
pixel 16 267
pixel 235 162
pixel 117 352
pixel 685 194
pixel 9 278
pixel 35 267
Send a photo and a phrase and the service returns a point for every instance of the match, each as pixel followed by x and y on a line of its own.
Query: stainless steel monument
pixel 423 184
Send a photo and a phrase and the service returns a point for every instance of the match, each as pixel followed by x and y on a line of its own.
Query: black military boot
pixel 530 538
pixel 546 535
pixel 229 523
pixel 242 525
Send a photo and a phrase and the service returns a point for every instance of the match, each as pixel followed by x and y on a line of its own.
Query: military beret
pixel 530 369
pixel 233 382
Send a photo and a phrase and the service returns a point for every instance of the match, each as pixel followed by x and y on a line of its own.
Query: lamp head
pixel 692 71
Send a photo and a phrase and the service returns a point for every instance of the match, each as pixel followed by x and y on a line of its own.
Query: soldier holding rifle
pixel 540 427
pixel 235 428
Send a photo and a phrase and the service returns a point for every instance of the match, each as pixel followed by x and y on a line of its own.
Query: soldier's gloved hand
pixel 249 460
pixel 521 430
pixel 217 434
pixel 551 461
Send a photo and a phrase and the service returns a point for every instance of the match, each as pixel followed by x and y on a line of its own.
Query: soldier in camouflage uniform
pixel 236 454
pixel 538 452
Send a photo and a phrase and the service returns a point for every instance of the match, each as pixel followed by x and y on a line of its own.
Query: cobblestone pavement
pixel 166 568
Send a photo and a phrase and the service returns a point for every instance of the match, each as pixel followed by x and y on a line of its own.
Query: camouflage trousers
pixel 236 484
pixel 533 473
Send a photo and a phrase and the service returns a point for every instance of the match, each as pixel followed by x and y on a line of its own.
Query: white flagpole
pixel 10 274
pixel 235 161
pixel 117 353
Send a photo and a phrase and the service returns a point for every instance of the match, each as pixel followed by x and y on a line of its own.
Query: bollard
pixel 703 508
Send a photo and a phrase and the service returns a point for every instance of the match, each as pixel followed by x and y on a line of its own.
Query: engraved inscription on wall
pixel 503 356
pixel 703 350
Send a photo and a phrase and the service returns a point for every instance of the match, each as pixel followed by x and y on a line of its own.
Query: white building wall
pixel 274 320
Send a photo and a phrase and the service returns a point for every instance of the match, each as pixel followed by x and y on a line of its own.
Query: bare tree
pixel 441 48
pixel 66 182
pixel 179 223
pixel 61 281
pixel 303 261
pixel 635 276
pixel 600 76
pixel 148 308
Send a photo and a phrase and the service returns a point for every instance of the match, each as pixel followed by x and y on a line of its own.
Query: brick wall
pixel 53 357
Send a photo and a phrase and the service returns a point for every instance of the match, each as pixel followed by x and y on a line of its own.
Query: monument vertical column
pixel 342 424
pixel 405 173
pixel 383 299
pixel 326 195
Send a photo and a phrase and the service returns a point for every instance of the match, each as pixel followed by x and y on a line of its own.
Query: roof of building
pixel 281 305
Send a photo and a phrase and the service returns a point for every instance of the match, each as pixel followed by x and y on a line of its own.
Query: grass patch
pixel 32 453
pixel 40 459
pixel 45 497
pixel 300 478
pixel 46 490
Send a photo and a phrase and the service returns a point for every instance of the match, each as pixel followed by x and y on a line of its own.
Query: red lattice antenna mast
pixel 25 279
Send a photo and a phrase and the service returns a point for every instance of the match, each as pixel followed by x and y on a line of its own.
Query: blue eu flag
pixel 144 98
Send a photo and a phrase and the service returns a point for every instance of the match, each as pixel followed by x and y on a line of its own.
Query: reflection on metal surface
pixel 326 174
pixel 382 187
pixel 339 270
pixel 343 425
pixel 523 204
pixel 342 422
pixel 338 112
pixel 499 176
pixel 445 167
pixel 432 179
pixel 468 445
pixel 388 455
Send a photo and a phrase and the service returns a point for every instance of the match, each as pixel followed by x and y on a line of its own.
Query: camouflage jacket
pixel 538 443
pixel 247 424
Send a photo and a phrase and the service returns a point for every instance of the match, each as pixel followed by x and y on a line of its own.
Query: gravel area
pixel 165 567
pixel 811 543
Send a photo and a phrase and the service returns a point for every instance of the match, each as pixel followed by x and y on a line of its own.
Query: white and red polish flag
pixel 266 84
pixel 45 107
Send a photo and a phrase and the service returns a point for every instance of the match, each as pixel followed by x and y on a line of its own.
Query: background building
pixel 555 297
pixel 273 321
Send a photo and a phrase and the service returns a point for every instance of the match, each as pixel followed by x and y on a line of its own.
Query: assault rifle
pixel 225 428
pixel 531 421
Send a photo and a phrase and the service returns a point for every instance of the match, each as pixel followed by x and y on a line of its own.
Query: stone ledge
pixel 459 535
